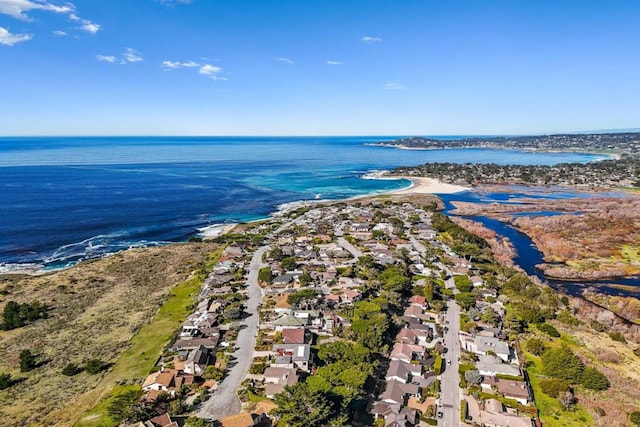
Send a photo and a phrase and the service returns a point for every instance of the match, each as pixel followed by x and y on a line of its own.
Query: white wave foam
pixel 215 230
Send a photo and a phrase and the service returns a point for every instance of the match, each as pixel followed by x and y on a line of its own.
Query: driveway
pixel 224 401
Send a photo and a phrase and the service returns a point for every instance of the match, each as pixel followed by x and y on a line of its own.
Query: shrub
pixel 598 327
pixel 562 363
pixel 617 336
pixel 536 346
pixel 634 417
pixel 554 387
pixel 70 370
pixel 95 366
pixel 548 329
pixel 594 379
pixel 637 351
pixel 27 361
pixel 599 411
pixel 473 376
pixel 6 381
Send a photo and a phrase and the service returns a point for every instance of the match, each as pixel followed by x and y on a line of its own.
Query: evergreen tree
pixel 27 361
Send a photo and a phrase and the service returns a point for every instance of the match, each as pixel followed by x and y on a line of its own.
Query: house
pixel 276 379
pixel 350 296
pixel 420 301
pixel 381 410
pixel 169 381
pixel 193 343
pixel 244 420
pixel 495 415
pixel 492 366
pixel 398 392
pixel 484 345
pixel 197 361
pixel 476 281
pixel 293 335
pixel 405 418
pixel 292 356
pixel 511 389
pixel 288 321
pixel 402 371
pixel 406 352
pixel 414 311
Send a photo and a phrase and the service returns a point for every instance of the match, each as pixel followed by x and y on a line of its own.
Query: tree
pixel 299 298
pixel 289 263
pixel 594 379
pixel 567 400
pixel 554 387
pixel 70 370
pixel 634 417
pixel 536 346
pixel 27 361
pixel 213 373
pixel 466 300
pixel 265 275
pixel 548 329
pixel 473 376
pixel 6 381
pixel 463 283
pixel 298 406
pixel 562 363
pixel 95 366
pixel 196 422
pixel 123 405
pixel 276 254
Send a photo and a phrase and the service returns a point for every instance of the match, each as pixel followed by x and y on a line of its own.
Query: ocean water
pixel 68 199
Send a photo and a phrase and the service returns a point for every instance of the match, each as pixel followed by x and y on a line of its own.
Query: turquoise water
pixel 67 199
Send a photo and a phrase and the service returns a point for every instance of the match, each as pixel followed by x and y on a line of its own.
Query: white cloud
pixel 8 39
pixel 85 24
pixel 19 8
pixel 59 33
pixel 174 2
pixel 394 86
pixel 106 58
pixel 208 70
pixel 172 65
pixel 283 59
pixel 334 63
pixel 369 39
pixel 90 27
pixel 131 55
pixel 211 71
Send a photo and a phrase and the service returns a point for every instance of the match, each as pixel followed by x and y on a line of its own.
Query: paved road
pixel 349 247
pixel 450 380
pixel 224 401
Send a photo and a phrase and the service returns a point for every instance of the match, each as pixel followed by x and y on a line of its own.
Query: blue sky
pixel 276 67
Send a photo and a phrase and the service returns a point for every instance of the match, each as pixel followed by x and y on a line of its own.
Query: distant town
pixel 584 142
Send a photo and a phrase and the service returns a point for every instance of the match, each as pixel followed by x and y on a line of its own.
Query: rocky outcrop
pixel 587 310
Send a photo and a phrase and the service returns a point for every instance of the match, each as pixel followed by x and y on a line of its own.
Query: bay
pixel 69 199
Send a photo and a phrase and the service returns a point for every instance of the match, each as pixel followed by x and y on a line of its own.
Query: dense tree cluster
pixel 16 315
pixel 331 397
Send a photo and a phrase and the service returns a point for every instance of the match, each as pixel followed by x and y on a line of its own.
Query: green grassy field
pixel 146 347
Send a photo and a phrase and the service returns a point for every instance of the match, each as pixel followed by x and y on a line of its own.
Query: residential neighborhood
pixel 361 302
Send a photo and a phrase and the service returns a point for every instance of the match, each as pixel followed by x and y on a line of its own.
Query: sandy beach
pixel 422 185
